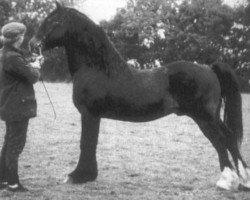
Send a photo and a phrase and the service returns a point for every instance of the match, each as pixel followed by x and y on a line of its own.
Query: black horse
pixel 105 86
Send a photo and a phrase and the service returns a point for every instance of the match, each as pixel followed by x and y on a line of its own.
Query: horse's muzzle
pixel 35 45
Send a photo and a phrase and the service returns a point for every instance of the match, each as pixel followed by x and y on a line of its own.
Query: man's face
pixel 19 41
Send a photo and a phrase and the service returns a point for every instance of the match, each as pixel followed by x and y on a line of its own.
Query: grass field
pixel 164 159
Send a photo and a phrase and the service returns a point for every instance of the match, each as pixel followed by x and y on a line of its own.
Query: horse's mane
pixel 92 39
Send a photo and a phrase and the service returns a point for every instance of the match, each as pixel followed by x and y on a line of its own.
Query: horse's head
pixel 51 32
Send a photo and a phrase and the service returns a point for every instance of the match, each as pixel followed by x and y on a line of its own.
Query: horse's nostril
pixel 39 44
pixel 31 45
pixel 34 47
pixel 34 43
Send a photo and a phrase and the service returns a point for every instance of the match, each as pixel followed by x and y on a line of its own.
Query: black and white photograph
pixel 124 99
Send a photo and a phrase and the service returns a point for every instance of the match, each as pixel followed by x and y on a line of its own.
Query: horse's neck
pixel 73 60
pixel 114 60
pixel 78 59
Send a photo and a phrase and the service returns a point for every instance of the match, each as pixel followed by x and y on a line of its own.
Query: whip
pixel 51 103
pixel 44 86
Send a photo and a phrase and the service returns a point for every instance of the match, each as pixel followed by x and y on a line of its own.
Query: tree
pixel 163 30
pixel 194 30
pixel 4 11
pixel 4 14
pixel 240 43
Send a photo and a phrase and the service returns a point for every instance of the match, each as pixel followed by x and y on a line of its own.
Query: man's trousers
pixel 14 142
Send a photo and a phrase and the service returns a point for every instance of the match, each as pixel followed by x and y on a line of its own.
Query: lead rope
pixel 45 88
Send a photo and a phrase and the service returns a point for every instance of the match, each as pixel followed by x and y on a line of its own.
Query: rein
pixel 45 88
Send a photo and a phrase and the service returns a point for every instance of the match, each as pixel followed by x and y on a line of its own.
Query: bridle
pixel 41 41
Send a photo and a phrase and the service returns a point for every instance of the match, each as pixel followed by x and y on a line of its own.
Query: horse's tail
pixel 230 93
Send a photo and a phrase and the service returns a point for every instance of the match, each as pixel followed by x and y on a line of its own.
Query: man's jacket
pixel 17 96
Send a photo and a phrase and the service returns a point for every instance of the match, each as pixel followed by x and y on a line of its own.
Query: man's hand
pixel 39 60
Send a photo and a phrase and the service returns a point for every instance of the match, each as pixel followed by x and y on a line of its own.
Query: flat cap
pixel 13 29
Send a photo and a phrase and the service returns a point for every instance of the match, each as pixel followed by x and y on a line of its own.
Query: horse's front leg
pixel 86 169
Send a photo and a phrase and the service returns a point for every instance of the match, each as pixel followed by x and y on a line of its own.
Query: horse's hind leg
pixel 241 166
pixel 229 179
pixel 86 169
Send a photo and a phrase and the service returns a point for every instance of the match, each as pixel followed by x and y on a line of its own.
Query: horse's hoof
pixel 79 178
pixel 229 180
pixel 244 183
pixel 243 187
pixel 68 180
pixel 244 177
pixel 223 185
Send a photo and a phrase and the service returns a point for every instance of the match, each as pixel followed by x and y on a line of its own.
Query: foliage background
pixel 152 32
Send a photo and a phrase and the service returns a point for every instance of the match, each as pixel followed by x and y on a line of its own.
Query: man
pixel 17 102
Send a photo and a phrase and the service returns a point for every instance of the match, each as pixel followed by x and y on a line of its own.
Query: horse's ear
pixel 58 5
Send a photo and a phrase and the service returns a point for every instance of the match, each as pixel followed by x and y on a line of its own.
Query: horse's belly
pixel 139 113
pixel 133 118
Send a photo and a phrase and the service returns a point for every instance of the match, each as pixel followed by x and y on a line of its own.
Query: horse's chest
pixel 86 91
